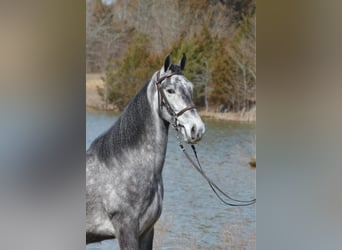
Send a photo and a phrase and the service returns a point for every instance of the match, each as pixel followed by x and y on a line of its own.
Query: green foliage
pixel 128 74
pixel 198 50
pixel 220 63
pixel 217 64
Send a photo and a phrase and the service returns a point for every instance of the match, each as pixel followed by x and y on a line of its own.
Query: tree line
pixel 127 40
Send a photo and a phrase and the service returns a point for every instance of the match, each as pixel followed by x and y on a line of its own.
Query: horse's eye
pixel 170 91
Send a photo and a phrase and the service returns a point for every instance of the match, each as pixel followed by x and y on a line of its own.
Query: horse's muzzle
pixel 194 133
pixel 197 133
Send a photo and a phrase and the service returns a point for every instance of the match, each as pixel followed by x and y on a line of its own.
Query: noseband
pixel 163 100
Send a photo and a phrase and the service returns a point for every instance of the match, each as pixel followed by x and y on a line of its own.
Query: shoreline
pixel 94 102
pixel 249 116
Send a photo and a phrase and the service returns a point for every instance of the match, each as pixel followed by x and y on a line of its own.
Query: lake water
pixel 192 217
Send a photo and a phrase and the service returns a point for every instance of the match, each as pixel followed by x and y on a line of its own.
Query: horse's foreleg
pixel 127 235
pixel 146 240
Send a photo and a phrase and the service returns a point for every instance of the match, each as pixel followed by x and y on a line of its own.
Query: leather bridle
pixel 163 101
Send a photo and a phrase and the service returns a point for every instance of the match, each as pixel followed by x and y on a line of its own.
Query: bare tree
pixel 243 54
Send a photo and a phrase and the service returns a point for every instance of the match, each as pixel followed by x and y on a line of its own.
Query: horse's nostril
pixel 196 132
pixel 200 133
pixel 193 131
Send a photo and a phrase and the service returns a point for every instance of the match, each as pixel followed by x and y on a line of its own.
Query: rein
pixel 221 195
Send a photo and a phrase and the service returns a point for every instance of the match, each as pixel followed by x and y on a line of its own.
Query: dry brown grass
pixel 249 116
pixel 93 100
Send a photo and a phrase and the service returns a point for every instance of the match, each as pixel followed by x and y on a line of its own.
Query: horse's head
pixel 175 100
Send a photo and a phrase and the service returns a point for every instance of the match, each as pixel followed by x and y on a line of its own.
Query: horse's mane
pixel 127 131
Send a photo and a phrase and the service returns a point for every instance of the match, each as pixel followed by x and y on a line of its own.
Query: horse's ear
pixel 183 62
pixel 167 62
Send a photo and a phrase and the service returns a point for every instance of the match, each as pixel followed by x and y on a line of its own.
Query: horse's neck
pixel 138 130
pixel 142 131
pixel 141 127
pixel 141 122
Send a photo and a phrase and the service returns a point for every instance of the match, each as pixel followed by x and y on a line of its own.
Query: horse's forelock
pixel 175 69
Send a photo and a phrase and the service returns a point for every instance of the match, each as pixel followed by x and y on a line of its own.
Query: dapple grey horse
pixel 124 165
